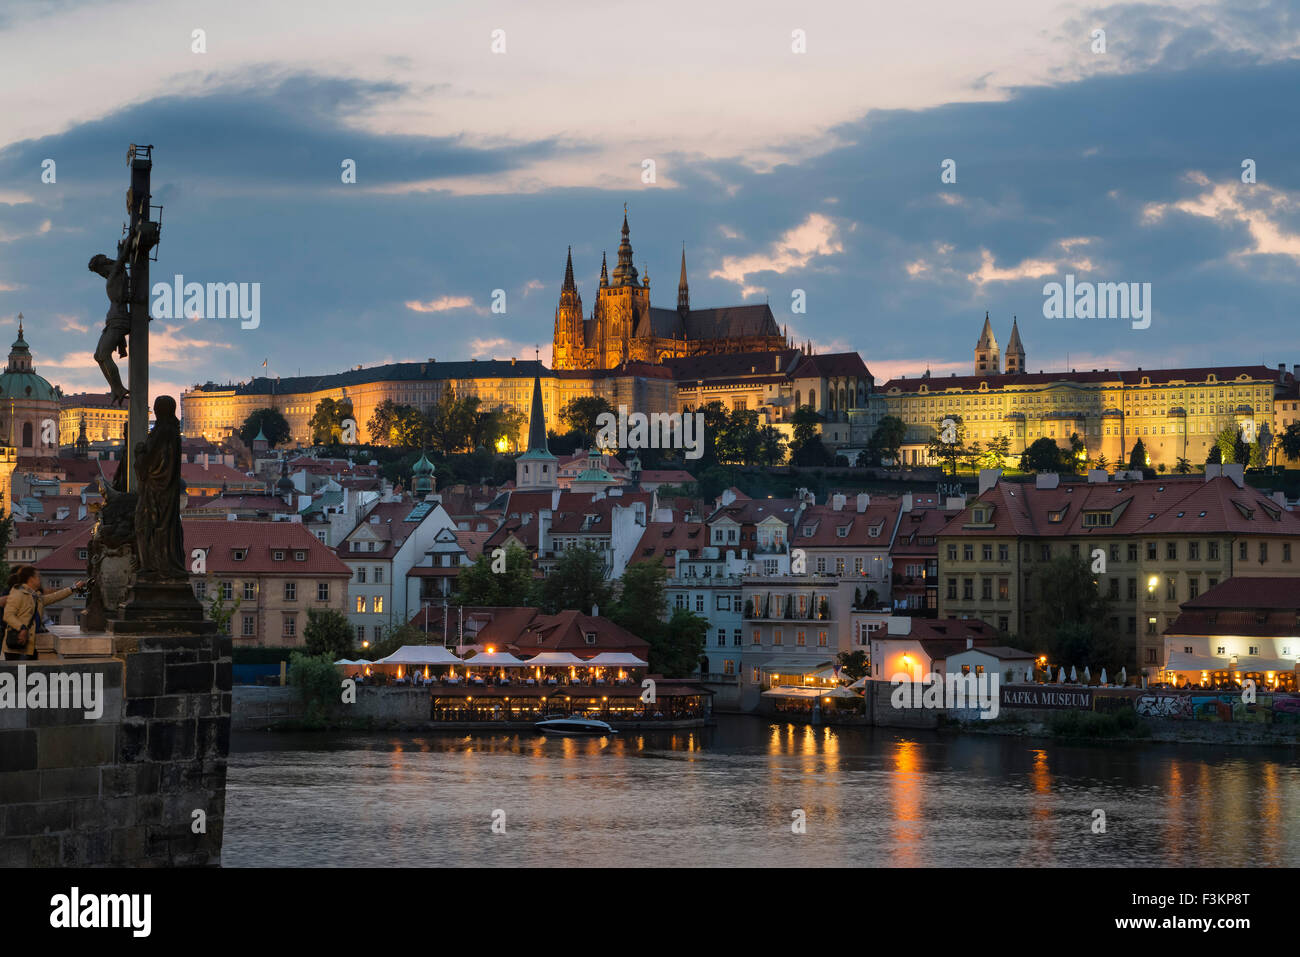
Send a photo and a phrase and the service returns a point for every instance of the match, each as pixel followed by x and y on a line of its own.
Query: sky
pixel 798 155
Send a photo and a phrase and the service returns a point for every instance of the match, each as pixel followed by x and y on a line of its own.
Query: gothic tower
pixel 987 359
pixel 683 290
pixel 535 470
pixel 569 342
pixel 620 306
pixel 1015 352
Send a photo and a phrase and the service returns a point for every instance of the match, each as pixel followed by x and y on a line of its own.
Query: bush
pixel 318 685
pixel 1091 724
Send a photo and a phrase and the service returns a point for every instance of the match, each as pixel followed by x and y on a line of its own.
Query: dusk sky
pixel 779 171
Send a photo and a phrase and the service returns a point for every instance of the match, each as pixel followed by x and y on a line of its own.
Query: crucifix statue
pixel 138 550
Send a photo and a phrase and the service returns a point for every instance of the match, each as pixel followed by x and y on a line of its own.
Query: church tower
pixel 1015 352
pixel 620 305
pixel 987 359
pixel 536 469
pixel 568 343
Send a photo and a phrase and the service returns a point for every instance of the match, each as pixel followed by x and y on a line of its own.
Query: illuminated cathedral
pixel 623 326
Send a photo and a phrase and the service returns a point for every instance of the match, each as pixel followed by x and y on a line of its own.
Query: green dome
pixel 19 380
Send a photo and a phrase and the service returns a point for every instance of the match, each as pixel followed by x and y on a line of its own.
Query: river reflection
pixel 727 795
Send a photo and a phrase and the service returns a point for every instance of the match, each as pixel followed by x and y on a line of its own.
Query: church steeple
pixel 625 272
pixel 683 288
pixel 1015 351
pixel 569 285
pixel 536 468
pixel 987 359
pixel 568 319
pixel 604 273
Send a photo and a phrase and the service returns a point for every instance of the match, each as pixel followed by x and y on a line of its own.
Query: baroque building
pixel 624 327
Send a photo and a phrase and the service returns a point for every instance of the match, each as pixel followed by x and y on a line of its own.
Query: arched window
pixel 27 435
pixel 797 403
pixel 812 401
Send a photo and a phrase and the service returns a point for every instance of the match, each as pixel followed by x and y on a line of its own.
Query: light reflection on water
pixel 725 796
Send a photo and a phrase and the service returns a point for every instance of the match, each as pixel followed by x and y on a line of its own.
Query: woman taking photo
pixel 24 612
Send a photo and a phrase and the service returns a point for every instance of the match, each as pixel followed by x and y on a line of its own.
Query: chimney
pixel 1237 473
pixel 778 362
pixel 1213 471
pixel 837 502
pixel 970 643
pixel 864 500
pixel 595 611
pixel 1098 477
pixel 955 503
pixel 555 498
pixel 1047 480
pixel 988 479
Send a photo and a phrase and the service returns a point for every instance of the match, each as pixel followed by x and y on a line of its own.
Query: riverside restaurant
pixel 499 686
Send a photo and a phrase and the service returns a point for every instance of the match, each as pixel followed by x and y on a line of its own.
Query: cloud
pixel 816 236
pixel 1254 207
pixel 1031 268
pixel 444 304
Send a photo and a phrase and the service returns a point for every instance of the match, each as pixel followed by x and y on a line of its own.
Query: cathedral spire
pixel 569 284
pixel 683 288
pixel 537 421
pixel 604 272
pixel 625 273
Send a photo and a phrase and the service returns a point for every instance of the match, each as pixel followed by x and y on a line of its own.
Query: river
pixel 732 795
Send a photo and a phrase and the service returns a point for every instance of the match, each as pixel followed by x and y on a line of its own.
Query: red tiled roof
pixel 1250 593
pixel 1223 374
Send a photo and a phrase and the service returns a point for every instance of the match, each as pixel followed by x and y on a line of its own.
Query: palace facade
pixel 1177 413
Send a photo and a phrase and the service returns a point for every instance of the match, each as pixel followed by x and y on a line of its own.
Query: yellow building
pixel 104 421
pixel 212 411
pixel 1177 413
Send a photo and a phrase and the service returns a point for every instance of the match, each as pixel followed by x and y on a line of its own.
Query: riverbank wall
pixel 138 779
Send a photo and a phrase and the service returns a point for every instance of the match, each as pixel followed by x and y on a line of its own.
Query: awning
pixel 554 659
pixel 794 666
pixel 790 691
pixel 1182 661
pixel 616 659
pixel 420 655
pixel 495 659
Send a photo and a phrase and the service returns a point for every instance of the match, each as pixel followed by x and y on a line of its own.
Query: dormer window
pixel 590 637
pixel 278 556
pixel 239 554
pixel 299 556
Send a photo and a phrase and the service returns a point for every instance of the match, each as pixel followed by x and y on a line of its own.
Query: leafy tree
pixel 492 425
pixel 580 416
pixel 949 453
pixel 715 425
pixel 1232 447
pixel 806 446
pixel 328 632
pixel 1182 467
pixel 219 610
pixel 271 424
pixel 1137 458
pixel 395 424
pixel 1215 456
pixel 577 582
pixel 6 533
pixel 1078 452
pixel 888 437
pixel 641 600
pixel 853 664
pixel 327 421
pixel 317 682
pixel 480 585
pixel 1103 463
pixel 676 653
pixel 1258 450
pixel 771 447
pixel 1289 441
pixel 1070 615
pixel 998 449
pixel 449 422
pixel 1044 455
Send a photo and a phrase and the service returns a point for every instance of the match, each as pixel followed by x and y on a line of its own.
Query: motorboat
pixel 565 726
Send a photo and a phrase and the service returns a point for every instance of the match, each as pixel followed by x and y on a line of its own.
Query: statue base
pixel 160 608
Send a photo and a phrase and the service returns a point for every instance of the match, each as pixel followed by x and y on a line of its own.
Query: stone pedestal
pixel 159 609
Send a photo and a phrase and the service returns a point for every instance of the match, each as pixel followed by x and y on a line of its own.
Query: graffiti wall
pixel 1214 706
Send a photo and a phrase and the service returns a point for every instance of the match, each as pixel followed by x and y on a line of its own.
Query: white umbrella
pixel 1103 675
pixel 1074 675
pixel 1061 679
pixel 1087 675
pixel 1123 675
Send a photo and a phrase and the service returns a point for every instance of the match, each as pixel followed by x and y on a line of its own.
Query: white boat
pixel 569 727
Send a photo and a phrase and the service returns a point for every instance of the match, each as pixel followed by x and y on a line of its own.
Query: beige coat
pixel 20 607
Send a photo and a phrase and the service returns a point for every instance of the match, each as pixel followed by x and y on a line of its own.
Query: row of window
pixel 226 590
pixel 800 637
pixel 376 575
pixel 1172 551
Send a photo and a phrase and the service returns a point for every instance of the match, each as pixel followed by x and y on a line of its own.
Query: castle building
pixel 624 327
pixel 1177 413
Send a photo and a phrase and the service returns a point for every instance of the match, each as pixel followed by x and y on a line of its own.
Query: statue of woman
pixel 160 541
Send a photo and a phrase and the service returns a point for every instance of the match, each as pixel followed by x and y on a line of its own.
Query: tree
pixel 888 437
pixel 1070 615
pixel 1137 458
pixel 641 601
pixel 449 422
pixel 1182 467
pixel 677 652
pixel 1044 455
pixel 496 426
pixel 1258 450
pixel 270 423
pixel 327 421
pixel 576 583
pixel 580 415
pixel 853 664
pixel 328 632
pixel 948 445
pixel 1289 440
pixel 1231 446
pixel 395 424
pixel 480 585
pixel 1078 452
pixel 771 447
pixel 1103 463
pixel 806 446
pixel 6 533
pixel 998 449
